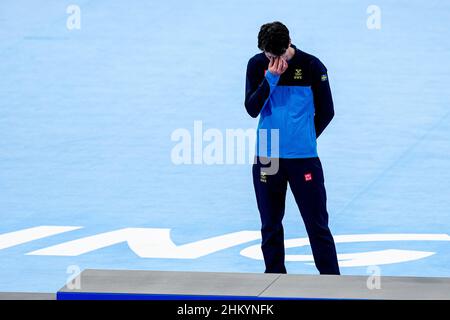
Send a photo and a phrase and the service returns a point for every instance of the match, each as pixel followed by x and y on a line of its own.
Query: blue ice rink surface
pixel 86 118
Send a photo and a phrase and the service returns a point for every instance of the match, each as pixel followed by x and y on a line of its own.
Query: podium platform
pixel 169 285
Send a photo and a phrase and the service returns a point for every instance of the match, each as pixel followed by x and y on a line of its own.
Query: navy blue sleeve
pixel 323 101
pixel 257 89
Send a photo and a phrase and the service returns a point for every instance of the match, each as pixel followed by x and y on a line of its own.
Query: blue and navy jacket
pixel 298 103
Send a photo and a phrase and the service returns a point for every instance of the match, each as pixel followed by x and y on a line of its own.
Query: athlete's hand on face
pixel 277 66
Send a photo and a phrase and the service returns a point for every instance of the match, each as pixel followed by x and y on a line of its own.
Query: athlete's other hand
pixel 277 66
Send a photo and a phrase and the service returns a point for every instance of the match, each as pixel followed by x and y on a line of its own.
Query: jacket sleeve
pixel 323 101
pixel 257 88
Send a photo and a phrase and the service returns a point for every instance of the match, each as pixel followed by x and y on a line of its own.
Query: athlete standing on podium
pixel 289 90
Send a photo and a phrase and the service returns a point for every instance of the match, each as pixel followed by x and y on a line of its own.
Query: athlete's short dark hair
pixel 273 37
